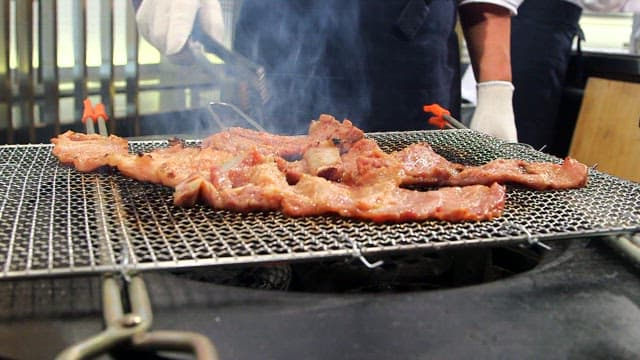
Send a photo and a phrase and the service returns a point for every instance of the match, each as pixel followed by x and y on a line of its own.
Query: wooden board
pixel 607 132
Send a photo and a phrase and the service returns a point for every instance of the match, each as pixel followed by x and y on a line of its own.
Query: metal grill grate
pixel 55 220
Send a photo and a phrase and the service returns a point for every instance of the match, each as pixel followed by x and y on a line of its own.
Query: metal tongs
pixel 130 327
pixel 91 115
pixel 442 118
pixel 238 67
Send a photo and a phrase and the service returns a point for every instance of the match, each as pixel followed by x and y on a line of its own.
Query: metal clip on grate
pixel 130 328
pixel 531 240
pixel 357 253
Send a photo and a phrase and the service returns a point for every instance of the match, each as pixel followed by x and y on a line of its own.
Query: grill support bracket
pixel 131 328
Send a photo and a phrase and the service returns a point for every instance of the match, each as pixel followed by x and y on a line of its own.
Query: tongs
pixel 238 67
pixel 130 328
pixel 442 117
pixel 91 115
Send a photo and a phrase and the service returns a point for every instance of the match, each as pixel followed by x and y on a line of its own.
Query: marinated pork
pixel 87 152
pixel 326 128
pixel 332 170
pixel 423 166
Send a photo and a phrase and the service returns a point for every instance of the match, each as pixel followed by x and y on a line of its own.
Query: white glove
pixel 167 24
pixel 494 112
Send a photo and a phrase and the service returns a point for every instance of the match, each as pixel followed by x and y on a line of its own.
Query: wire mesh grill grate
pixel 55 220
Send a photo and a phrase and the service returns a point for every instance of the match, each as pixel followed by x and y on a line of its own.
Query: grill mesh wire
pixel 55 220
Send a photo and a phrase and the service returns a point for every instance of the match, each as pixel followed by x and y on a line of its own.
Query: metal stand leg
pixel 130 329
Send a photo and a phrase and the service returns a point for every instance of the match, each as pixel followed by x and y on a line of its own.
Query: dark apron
pixel 541 37
pixel 375 62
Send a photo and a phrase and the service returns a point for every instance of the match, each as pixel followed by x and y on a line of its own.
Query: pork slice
pixel 366 164
pixel 385 202
pixel 170 166
pixel 423 166
pixel 237 140
pixel 343 134
pixel 393 204
pixel 259 186
pixel 326 128
pixel 87 152
pixel 535 175
pixel 313 195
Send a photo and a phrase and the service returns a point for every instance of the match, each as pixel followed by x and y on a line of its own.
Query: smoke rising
pixel 350 59
pixel 313 55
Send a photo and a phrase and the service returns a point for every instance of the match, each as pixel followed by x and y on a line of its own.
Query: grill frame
pixel 57 221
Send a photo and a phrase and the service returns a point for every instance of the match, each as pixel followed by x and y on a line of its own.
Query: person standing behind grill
pixel 375 62
pixel 542 36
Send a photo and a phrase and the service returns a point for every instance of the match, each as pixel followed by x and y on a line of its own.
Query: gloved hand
pixel 494 110
pixel 167 24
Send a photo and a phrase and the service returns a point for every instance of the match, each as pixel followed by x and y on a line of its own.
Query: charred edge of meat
pixel 292 179
pixel 330 173
pixel 420 187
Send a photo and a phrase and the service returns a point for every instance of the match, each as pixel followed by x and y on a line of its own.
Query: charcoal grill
pixel 55 220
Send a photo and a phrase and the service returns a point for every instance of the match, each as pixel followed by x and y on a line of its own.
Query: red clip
pixel 439 112
pixel 88 112
pixel 99 112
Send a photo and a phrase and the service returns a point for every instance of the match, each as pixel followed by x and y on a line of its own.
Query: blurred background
pixel 55 53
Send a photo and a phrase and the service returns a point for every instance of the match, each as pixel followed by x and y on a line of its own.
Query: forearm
pixel 487 30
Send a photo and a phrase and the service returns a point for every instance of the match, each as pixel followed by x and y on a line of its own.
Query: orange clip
pixel 89 112
pixel 99 112
pixel 439 112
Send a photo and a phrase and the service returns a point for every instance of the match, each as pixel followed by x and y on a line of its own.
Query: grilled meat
pixel 256 183
pixel 87 152
pixel 423 166
pixel 326 128
pixel 337 171
pixel 418 164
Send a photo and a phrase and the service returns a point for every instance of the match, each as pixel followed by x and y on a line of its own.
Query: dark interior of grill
pixel 415 271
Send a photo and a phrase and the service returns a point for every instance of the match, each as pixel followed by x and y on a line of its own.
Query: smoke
pixel 313 55
pixel 197 123
pixel 349 59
